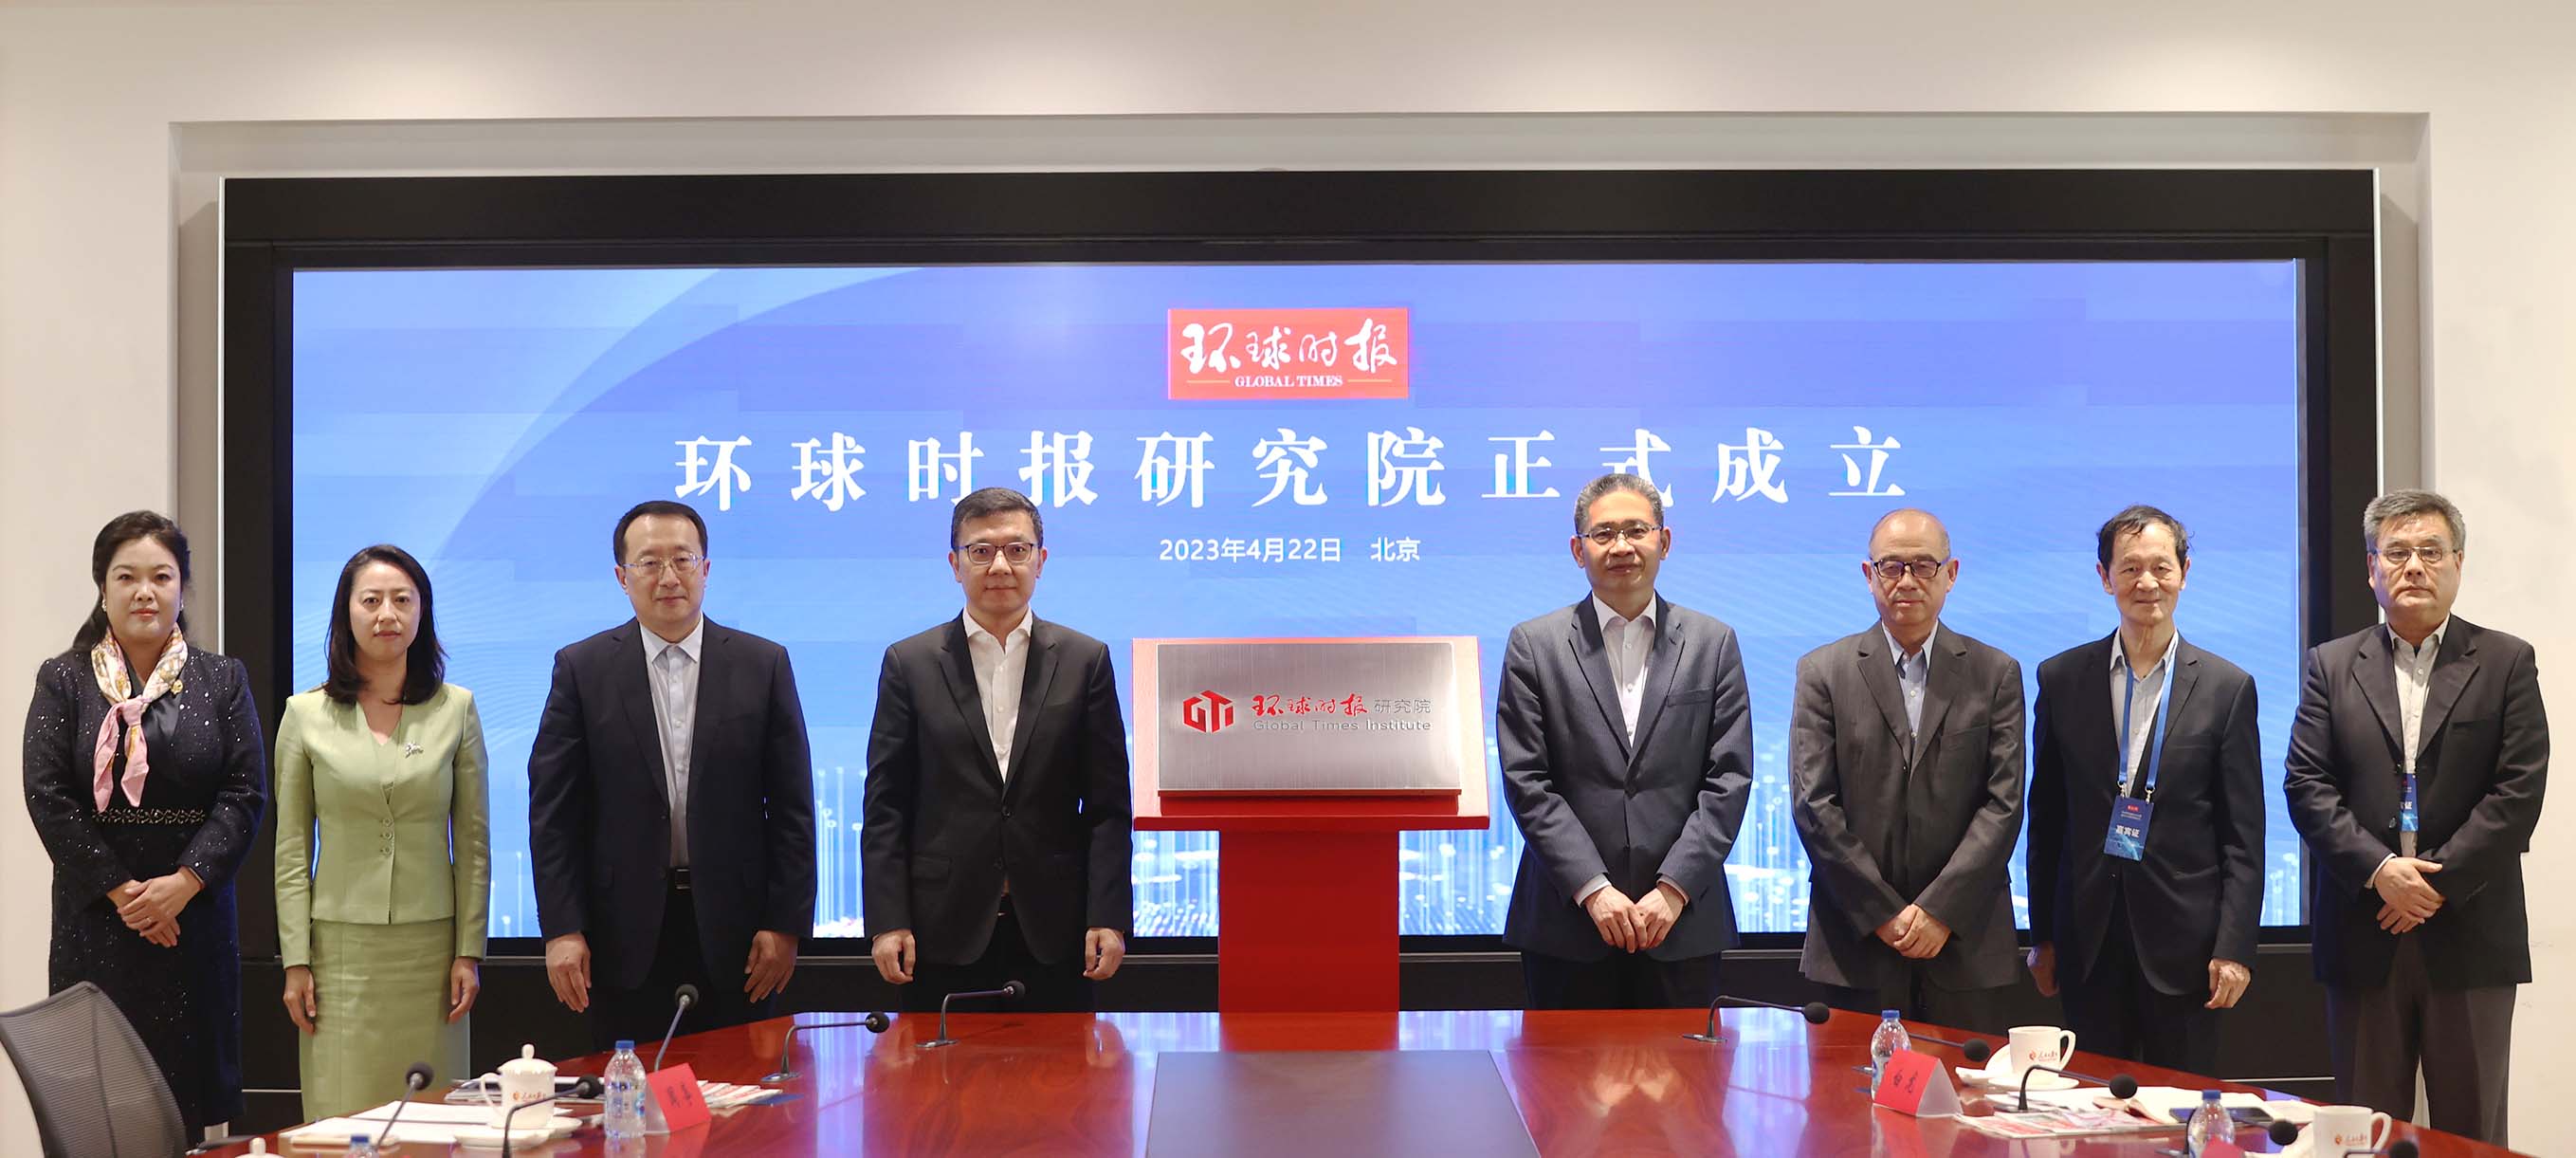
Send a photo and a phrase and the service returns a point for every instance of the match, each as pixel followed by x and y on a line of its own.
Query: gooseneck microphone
pixel 2282 1131
pixel 2122 1085
pixel 415 1080
pixel 681 999
pixel 581 1088
pixel 1814 1011
pixel 876 1023
pixel 1010 991
pixel 1977 1049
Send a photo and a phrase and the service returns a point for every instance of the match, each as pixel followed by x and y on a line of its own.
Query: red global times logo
pixel 1207 712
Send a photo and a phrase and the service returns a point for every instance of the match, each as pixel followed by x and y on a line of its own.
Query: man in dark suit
pixel 1627 755
pixel 1905 760
pixel 2146 817
pixel 998 830
pixel 670 803
pixel 2415 774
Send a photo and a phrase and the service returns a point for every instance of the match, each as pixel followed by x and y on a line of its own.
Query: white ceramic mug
pixel 526 1079
pixel 2037 1045
pixel 2341 1128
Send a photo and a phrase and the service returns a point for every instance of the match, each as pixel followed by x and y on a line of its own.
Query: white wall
pixel 113 122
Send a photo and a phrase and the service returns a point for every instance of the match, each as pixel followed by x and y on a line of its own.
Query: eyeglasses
pixel 1892 570
pixel 683 563
pixel 981 554
pixel 1635 534
pixel 2398 557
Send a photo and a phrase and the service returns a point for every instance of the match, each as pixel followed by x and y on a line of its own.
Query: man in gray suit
pixel 2415 772
pixel 1627 758
pixel 1905 761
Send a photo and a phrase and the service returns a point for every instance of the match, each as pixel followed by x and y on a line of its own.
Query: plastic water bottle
pixel 361 1146
pixel 2208 1123
pixel 1891 1037
pixel 625 1099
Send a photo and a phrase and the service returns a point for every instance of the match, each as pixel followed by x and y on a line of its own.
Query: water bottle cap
pixel 623 1045
pixel 2209 1095
pixel 357 1139
pixel 1891 1014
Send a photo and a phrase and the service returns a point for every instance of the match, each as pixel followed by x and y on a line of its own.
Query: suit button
pixel 1006 814
pixel 2392 823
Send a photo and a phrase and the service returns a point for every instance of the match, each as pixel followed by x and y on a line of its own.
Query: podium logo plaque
pixel 1299 716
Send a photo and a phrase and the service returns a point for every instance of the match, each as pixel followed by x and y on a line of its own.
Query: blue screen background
pixel 496 422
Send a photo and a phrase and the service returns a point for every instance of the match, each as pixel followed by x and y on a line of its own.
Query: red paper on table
pixel 1917 1084
pixel 2222 1148
pixel 676 1103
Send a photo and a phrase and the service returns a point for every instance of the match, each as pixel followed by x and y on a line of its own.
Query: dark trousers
pixel 1057 988
pixel 2462 1038
pixel 1916 997
pixel 2115 1011
pixel 1619 981
pixel 642 1014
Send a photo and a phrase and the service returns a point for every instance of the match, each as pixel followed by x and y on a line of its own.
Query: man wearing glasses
pixel 670 803
pixel 1627 757
pixel 2415 773
pixel 997 837
pixel 1905 762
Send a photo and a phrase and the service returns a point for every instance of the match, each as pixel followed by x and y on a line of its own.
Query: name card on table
pixel 1917 1084
pixel 675 1103
pixel 2222 1148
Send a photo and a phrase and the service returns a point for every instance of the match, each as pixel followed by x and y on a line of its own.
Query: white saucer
pixel 484 1137
pixel 2003 1079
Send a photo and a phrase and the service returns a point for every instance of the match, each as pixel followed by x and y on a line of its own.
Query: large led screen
pixel 1295 450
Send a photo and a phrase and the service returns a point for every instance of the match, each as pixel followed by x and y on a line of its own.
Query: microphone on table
pixel 1977 1049
pixel 415 1080
pixel 1010 991
pixel 2282 1131
pixel 581 1088
pixel 1814 1011
pixel 876 1023
pixel 2122 1085
pixel 681 999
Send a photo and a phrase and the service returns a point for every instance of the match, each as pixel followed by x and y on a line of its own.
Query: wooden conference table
pixel 1623 1082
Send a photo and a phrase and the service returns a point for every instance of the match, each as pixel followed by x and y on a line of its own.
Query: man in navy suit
pixel 2146 817
pixel 999 828
pixel 670 802
pixel 1627 753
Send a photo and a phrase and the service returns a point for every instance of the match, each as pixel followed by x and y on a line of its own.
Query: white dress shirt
pixel 671 671
pixel 1628 644
pixel 2147 699
pixel 2414 679
pixel 1913 672
pixel 1000 667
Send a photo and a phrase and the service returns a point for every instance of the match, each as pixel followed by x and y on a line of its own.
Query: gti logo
pixel 1207 712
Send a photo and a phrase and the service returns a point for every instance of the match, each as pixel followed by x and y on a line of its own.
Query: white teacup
pixel 528 1078
pixel 2341 1128
pixel 2037 1045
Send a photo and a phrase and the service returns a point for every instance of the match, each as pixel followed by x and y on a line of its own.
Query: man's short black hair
pixel 2134 519
pixel 617 541
pixel 992 501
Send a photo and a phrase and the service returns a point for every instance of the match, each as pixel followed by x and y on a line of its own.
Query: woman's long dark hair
pixel 113 537
pixel 424 666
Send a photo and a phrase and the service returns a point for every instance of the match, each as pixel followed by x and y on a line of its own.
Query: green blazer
pixel 403 826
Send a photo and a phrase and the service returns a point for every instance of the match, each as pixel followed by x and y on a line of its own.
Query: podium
pixel 1308 883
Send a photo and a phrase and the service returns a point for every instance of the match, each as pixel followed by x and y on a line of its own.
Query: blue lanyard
pixel 2164 715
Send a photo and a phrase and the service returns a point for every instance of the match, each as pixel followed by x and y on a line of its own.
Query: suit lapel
pixel 2091 721
pixel 1040 670
pixel 1661 662
pixel 2186 677
pixel 630 690
pixel 1878 672
pixel 2453 666
pixel 1942 668
pixel 959 668
pixel 1594 661
pixel 715 656
pixel 2370 666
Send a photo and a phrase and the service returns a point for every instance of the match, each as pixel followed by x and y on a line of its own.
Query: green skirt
pixel 382 993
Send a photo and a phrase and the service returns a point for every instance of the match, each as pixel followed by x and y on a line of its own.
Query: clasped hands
pixel 2406 898
pixel 151 908
pixel 1914 933
pixel 893 951
pixel 1631 926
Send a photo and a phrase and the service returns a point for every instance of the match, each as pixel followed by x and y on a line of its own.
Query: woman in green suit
pixel 383 768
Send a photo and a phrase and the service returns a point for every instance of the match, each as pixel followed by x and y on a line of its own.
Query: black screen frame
pixel 273 227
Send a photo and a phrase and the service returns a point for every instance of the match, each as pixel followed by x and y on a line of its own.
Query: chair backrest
pixel 95 1089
